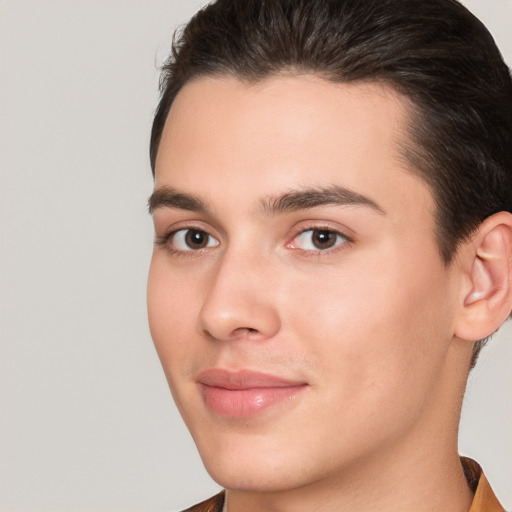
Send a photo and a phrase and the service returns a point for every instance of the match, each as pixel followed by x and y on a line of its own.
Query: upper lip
pixel 244 379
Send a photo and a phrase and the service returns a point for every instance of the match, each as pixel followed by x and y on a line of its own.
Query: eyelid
pixel 179 237
pixel 320 226
pixel 170 231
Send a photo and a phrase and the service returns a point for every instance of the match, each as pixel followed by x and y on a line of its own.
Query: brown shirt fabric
pixel 213 504
pixel 483 501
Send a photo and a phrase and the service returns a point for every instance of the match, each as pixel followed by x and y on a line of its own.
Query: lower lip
pixel 245 403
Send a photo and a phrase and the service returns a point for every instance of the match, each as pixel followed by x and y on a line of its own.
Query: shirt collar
pixel 484 500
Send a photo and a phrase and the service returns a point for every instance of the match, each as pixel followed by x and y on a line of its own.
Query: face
pixel 297 299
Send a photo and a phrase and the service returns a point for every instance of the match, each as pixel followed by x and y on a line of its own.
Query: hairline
pixel 406 144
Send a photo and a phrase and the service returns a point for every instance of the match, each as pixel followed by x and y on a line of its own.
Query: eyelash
pixel 163 241
pixel 339 244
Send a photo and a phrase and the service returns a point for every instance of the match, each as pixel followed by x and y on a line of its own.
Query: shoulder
pixel 213 504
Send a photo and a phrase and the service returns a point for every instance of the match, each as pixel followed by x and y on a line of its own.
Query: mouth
pixel 244 393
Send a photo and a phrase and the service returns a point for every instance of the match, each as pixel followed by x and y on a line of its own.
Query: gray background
pixel 87 422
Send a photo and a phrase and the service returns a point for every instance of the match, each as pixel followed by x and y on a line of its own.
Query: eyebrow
pixel 319 196
pixel 295 200
pixel 167 197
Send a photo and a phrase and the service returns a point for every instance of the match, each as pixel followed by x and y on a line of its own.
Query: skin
pixel 368 324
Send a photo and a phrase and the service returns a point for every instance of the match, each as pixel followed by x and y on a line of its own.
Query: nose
pixel 239 302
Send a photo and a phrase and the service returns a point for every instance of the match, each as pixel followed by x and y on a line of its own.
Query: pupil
pixel 323 239
pixel 196 239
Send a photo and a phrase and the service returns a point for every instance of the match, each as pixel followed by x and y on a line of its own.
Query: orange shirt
pixel 483 501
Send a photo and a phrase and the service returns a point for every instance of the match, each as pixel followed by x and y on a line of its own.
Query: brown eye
pixel 196 239
pixel 323 239
pixel 318 240
pixel 192 240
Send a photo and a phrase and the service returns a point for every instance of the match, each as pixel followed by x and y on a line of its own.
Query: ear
pixel 486 295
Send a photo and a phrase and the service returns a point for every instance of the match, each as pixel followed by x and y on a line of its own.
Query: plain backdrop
pixel 87 422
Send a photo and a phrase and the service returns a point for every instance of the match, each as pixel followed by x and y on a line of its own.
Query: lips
pixel 243 394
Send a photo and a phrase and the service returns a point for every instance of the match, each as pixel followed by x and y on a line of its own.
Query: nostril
pixel 241 331
pixel 246 316
pixel 245 333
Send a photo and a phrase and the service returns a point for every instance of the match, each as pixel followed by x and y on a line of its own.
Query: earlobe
pixel 487 301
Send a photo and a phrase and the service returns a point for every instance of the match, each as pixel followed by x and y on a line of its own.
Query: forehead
pixel 229 138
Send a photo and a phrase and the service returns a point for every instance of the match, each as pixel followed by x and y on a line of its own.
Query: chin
pixel 249 477
pixel 255 462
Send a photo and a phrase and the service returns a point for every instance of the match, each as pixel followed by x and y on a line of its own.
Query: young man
pixel 333 188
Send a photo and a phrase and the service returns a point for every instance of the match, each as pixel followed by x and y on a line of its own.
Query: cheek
pixel 376 331
pixel 171 312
